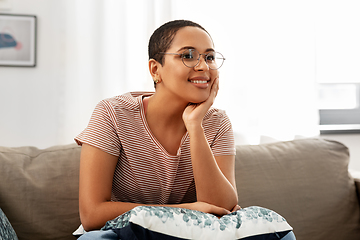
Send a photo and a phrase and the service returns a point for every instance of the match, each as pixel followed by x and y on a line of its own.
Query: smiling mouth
pixel 199 81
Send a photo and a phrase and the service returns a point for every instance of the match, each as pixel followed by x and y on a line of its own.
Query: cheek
pixel 178 73
pixel 172 68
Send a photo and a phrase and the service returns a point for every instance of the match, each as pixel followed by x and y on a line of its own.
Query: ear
pixel 154 69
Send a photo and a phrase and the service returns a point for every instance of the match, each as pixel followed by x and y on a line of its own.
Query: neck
pixel 165 111
pixel 164 118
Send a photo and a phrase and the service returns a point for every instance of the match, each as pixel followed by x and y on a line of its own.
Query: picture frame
pixel 17 40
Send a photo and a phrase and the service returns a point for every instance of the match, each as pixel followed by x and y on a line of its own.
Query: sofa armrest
pixel 357 184
pixel 356 176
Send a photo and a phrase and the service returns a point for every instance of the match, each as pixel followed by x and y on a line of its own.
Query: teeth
pixel 198 81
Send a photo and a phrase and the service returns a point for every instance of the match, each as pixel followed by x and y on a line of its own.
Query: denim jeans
pixel 289 236
pixel 110 235
pixel 106 235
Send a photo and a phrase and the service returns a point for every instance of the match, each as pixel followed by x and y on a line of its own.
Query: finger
pixel 216 86
pixel 219 211
pixel 213 91
pixel 236 208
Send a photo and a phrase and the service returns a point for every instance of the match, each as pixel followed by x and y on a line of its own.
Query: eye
pixel 189 54
pixel 210 57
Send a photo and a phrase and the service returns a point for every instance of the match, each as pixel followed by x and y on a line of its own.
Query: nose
pixel 202 64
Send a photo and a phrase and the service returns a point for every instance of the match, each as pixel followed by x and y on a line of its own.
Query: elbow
pixel 89 220
pixel 86 222
pixel 230 203
pixel 235 205
pixel 236 200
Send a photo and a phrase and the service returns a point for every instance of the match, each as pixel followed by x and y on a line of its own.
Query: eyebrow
pixel 190 47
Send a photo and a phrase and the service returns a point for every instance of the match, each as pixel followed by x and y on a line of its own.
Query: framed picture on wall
pixel 17 40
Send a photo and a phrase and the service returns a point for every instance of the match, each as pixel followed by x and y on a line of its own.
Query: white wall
pixel 31 98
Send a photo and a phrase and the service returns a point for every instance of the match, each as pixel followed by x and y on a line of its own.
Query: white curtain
pixel 267 82
pixel 106 54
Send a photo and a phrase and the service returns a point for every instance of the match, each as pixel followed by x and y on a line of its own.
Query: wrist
pixel 194 128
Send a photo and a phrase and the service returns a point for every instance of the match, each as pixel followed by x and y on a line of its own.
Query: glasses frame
pixel 198 60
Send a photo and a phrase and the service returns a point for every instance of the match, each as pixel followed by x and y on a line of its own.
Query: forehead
pixel 191 37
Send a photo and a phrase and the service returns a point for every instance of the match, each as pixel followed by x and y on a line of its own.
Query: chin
pixel 197 101
pixel 199 97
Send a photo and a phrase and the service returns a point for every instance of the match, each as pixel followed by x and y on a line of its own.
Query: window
pixel 339 107
pixel 337 61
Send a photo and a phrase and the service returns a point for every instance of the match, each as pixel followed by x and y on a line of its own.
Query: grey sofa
pixel 306 181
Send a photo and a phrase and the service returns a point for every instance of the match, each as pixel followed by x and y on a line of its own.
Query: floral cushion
pixel 164 223
pixel 6 230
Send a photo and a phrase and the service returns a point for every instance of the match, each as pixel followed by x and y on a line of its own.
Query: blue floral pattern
pixel 239 223
pixel 197 218
pixel 6 230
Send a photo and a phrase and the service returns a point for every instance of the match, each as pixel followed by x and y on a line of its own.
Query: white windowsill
pixel 340 128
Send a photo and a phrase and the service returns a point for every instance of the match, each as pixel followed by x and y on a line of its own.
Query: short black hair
pixel 161 39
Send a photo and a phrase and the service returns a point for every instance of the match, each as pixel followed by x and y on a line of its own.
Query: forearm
pixel 212 186
pixel 99 214
pixel 95 216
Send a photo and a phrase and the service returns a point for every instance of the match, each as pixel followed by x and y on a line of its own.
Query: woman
pixel 168 148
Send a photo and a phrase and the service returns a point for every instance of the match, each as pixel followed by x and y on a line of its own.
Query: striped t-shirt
pixel 146 173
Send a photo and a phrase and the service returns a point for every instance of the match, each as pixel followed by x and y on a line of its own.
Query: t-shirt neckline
pixel 151 135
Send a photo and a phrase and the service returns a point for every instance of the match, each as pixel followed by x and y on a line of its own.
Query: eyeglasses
pixel 191 58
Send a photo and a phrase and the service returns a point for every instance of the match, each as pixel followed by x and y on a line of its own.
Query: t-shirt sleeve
pixel 224 143
pixel 101 130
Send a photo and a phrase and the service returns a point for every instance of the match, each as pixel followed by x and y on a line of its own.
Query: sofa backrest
pixel 306 181
pixel 39 190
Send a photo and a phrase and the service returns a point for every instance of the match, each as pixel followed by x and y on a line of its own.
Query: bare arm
pixel 96 175
pixel 214 176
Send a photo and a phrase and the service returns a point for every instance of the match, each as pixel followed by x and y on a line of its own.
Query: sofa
pixel 305 180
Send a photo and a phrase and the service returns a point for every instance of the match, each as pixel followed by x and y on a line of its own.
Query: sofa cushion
pixel 306 181
pixel 39 190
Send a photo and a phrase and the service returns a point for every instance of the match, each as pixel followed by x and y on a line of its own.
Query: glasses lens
pixel 214 60
pixel 190 57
